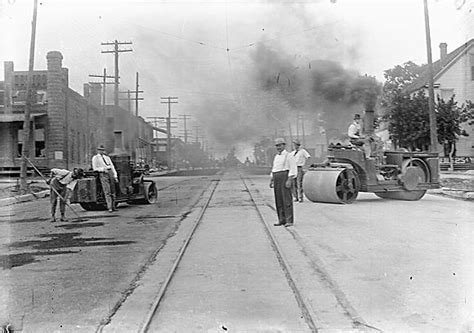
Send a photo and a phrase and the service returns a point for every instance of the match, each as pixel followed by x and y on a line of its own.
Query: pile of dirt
pixel 458 183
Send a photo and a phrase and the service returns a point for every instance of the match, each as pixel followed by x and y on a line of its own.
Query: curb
pixel 23 198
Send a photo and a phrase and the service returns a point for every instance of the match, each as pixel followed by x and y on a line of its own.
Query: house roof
pixel 439 67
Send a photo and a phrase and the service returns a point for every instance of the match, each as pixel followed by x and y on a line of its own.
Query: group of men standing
pixel 287 179
pixel 287 171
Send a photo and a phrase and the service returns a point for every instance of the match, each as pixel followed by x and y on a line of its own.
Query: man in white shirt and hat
pixel 283 174
pixel 355 136
pixel 300 155
pixel 107 175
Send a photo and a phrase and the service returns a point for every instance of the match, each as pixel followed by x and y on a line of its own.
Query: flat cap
pixel 280 141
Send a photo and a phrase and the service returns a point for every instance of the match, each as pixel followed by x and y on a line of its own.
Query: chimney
pixel 87 90
pixel 55 60
pixel 443 51
pixel 95 94
pixel 8 86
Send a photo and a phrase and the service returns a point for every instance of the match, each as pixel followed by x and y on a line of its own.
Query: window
pixel 20 140
pixel 471 57
pixel 446 94
pixel 40 147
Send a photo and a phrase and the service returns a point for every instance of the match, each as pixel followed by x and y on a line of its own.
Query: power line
pixel 116 52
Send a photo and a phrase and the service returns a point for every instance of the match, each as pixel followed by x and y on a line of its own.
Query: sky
pixel 218 56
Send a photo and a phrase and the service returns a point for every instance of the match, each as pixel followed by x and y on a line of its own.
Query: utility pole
pixel 297 124
pixel 130 99
pixel 198 130
pixel 104 82
pixel 185 117
pixel 432 114
pixel 291 134
pixel 169 101
pixel 136 95
pixel 25 150
pixel 116 52
pixel 301 118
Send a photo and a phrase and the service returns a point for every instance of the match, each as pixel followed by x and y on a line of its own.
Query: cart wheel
pixel 151 194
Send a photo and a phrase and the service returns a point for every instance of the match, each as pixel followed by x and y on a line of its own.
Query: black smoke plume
pixel 321 86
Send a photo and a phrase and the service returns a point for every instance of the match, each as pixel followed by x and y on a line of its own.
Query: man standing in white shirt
pixel 107 174
pixel 283 173
pixel 300 155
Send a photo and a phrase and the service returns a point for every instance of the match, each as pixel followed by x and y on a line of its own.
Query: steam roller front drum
pixel 332 185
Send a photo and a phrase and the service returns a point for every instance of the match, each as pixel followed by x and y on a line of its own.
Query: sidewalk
pixel 456 184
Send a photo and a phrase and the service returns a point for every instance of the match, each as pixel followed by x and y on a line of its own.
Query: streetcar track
pixel 165 284
pixel 317 264
pixel 284 265
pixel 142 270
pixel 309 316
pixel 274 244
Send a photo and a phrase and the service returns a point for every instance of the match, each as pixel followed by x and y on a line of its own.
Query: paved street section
pixel 230 278
pixel 71 276
pixel 374 265
pixel 403 266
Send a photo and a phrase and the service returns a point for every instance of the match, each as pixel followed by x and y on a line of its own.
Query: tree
pixel 397 79
pixel 408 121
pixel 408 116
pixel 450 117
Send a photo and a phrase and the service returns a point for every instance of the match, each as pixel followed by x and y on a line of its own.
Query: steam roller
pixel 398 175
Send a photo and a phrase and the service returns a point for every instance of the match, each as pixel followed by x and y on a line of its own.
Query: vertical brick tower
pixel 57 143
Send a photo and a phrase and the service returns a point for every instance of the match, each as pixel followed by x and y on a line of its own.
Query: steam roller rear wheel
pixel 414 171
pixel 333 185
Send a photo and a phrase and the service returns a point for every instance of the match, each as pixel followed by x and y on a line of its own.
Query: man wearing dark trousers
pixel 107 175
pixel 283 174
pixel 300 155
pixel 61 181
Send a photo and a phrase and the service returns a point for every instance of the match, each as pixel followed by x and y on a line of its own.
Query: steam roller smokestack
pixel 369 121
pixel 118 144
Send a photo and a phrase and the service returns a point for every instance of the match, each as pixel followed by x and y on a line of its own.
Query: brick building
pixel 65 126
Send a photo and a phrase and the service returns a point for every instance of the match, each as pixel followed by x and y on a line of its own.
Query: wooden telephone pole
pixel 25 150
pixel 169 101
pixel 104 82
pixel 116 52
pixel 431 108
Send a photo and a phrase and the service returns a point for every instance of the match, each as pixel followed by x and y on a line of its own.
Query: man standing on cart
pixel 107 175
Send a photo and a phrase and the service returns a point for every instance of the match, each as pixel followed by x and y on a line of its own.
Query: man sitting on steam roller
pixel 356 138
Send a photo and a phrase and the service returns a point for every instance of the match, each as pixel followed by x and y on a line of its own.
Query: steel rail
pixel 357 321
pixel 284 264
pixel 164 286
